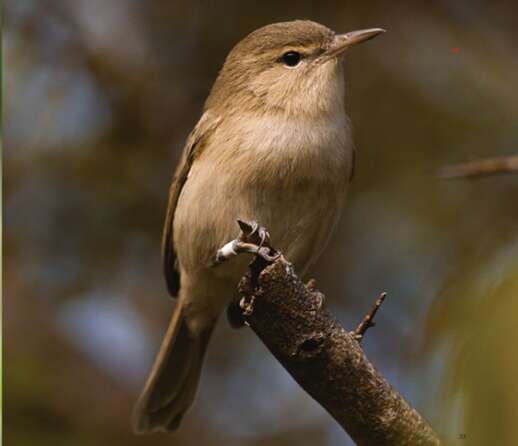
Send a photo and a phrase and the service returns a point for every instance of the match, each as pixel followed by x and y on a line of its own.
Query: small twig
pixel 482 168
pixel 368 320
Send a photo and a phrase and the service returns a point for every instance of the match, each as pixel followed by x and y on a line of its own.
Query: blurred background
pixel 99 98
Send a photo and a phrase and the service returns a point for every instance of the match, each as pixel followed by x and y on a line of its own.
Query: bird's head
pixel 289 67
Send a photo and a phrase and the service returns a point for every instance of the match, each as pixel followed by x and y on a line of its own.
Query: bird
pixel 273 145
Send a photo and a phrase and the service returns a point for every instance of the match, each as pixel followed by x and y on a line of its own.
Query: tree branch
pixel 325 359
pixel 482 168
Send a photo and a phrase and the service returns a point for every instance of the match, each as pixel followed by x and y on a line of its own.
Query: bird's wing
pixel 193 147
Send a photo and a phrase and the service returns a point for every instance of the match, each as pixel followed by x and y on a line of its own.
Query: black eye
pixel 291 58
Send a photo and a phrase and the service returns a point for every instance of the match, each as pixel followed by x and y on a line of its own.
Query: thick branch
pixel 325 359
pixel 482 168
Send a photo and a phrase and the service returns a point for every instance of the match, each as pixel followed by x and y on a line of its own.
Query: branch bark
pixel 326 360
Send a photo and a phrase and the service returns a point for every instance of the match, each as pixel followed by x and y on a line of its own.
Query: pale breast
pixel 295 146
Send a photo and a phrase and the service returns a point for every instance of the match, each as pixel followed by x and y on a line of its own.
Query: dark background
pixel 99 97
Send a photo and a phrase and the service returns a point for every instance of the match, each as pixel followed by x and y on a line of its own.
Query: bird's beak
pixel 344 41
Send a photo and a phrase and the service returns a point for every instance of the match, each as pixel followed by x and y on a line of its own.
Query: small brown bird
pixel 273 145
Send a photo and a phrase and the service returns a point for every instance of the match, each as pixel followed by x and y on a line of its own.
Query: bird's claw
pixel 264 236
pixel 264 252
pixel 252 232
pixel 253 239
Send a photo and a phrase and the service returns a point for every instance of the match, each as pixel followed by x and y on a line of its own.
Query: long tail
pixel 171 385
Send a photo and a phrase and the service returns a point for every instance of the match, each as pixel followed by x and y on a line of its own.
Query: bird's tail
pixel 171 385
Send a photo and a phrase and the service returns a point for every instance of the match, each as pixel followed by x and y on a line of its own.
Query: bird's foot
pixel 252 232
pixel 252 239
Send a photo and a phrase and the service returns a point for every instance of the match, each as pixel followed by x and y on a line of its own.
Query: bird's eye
pixel 291 58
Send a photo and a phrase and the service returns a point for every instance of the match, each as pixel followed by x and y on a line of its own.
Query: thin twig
pixel 482 168
pixel 368 320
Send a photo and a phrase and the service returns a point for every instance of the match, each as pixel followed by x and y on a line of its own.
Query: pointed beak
pixel 344 41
